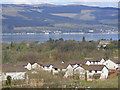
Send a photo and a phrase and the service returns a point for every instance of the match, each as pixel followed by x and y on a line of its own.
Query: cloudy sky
pixel 102 3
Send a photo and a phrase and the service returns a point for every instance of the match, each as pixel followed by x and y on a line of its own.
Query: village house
pixel 85 69
pixel 80 72
pixel 16 72
pixel 35 65
pixel 69 71
pixel 103 43
pixel 55 71
pixel 73 68
pixel 48 68
pixel 112 63
pixel 95 62
pixel 94 72
pixel 59 67
pixel 28 66
pixel 88 69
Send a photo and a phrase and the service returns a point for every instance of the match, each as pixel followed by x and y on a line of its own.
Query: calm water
pixel 43 37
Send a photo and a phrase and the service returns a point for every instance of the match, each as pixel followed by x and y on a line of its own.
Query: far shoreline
pixel 53 34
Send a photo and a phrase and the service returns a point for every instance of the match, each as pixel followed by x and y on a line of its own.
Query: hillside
pixel 57 17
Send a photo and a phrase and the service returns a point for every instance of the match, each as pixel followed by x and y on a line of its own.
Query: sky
pixel 101 3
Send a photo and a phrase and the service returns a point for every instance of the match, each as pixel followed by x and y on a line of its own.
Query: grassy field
pixel 109 83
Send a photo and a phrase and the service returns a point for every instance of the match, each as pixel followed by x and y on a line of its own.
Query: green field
pixel 109 83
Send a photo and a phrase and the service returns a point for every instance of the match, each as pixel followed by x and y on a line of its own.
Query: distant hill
pixel 56 17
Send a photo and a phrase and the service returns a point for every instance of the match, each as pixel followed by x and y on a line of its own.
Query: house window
pixel 90 71
pixel 56 69
pixel 82 76
pixel 90 76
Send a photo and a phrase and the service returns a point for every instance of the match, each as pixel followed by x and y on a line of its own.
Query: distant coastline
pixel 44 37
pixel 52 33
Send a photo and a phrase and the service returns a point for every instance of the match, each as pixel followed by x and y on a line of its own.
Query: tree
pixel 110 39
pixel 51 40
pixel 11 44
pixel 106 57
pixel 21 47
pixel 8 81
pixel 110 46
pixel 33 44
pixel 83 40
pixel 82 58
pixel 61 39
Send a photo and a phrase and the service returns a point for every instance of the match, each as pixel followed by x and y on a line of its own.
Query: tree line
pixel 57 50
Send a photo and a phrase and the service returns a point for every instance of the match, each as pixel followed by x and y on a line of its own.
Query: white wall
pixel 69 71
pixel 79 70
pixel 48 68
pixel 102 61
pixel 63 70
pixel 55 71
pixel 95 63
pixel 89 74
pixel 74 66
pixel 110 64
pixel 29 66
pixel 35 66
pixel 88 63
pixel 15 75
pixel 104 73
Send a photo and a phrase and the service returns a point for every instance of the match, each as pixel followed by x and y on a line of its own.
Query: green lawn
pixel 108 83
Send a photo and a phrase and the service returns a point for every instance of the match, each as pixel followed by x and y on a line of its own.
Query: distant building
pixel 57 32
pixel 47 33
pixel 103 43
pixel 91 31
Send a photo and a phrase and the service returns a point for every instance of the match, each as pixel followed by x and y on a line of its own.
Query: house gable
pixel 110 64
pixel 102 61
pixel 104 73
